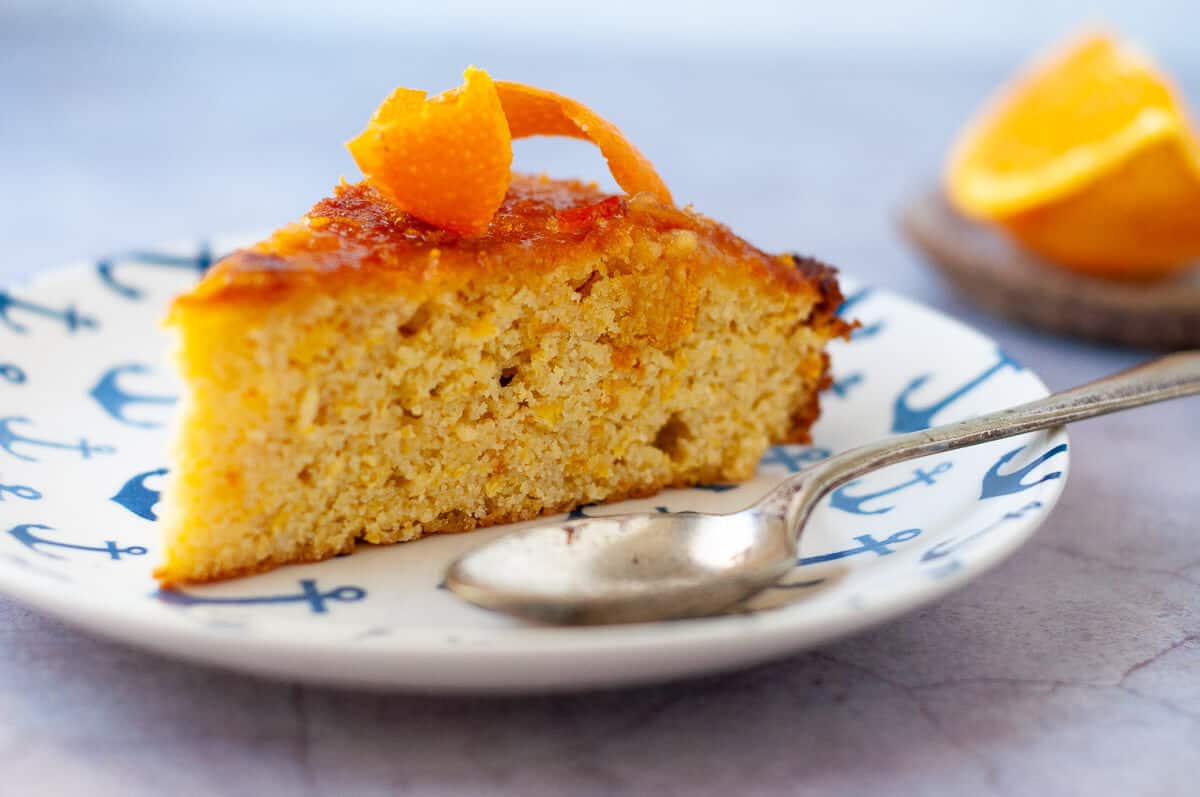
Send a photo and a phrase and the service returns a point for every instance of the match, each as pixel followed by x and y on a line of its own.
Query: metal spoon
pixel 638 568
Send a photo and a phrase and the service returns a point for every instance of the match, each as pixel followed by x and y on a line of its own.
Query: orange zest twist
pixel 1088 160
pixel 448 159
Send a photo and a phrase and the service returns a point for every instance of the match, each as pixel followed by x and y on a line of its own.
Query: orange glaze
pixel 356 235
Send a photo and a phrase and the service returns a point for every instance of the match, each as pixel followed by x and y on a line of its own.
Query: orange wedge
pixel 447 159
pixel 1088 160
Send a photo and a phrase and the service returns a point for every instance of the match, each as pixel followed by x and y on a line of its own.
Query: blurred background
pixel 802 125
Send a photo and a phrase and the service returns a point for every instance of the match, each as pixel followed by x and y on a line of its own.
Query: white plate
pixel 85 396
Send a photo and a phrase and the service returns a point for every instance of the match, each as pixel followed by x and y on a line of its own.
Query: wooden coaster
pixel 997 275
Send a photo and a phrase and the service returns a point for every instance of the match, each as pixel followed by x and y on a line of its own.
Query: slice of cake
pixel 368 375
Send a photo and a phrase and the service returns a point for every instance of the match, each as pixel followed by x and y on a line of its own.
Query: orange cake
pixel 366 374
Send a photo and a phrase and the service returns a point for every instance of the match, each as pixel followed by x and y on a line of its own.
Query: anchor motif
pixel 867 544
pixel 20 491
pixel 907 418
pixel 105 268
pixel 996 483
pixel 69 317
pixel 842 387
pixel 9 439
pixel 946 569
pixel 12 373
pixel 579 512
pixel 779 455
pixel 947 547
pixel 867 330
pixel 853 503
pixel 316 599
pixel 139 499
pixel 24 535
pixel 114 400
pixel 853 299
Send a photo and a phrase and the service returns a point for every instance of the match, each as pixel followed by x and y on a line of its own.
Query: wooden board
pixel 997 275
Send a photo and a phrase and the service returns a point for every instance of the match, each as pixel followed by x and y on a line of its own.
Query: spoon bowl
pixel 627 568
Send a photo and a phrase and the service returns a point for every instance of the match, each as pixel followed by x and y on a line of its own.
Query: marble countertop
pixel 1070 669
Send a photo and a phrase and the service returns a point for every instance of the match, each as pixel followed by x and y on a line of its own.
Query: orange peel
pixel 447 159
pixel 536 112
pixel 1088 160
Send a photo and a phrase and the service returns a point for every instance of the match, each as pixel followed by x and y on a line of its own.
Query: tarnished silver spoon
pixel 643 567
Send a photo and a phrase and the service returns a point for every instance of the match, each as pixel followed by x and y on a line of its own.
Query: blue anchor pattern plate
pixel 86 400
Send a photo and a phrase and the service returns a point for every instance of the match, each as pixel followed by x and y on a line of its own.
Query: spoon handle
pixel 1172 376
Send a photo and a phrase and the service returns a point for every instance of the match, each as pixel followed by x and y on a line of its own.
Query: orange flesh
pixel 447 159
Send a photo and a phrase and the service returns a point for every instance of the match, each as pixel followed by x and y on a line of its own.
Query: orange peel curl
pixel 536 112
pixel 447 159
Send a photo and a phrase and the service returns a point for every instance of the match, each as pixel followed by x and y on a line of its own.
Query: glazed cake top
pixel 357 234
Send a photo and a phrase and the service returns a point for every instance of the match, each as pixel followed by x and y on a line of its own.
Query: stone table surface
pixel 1072 668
